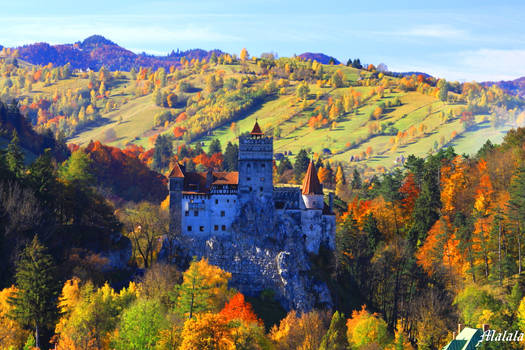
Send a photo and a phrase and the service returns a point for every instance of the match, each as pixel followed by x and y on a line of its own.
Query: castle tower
pixel 176 185
pixel 312 189
pixel 255 166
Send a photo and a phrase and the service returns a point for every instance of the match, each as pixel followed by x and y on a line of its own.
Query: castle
pixel 208 204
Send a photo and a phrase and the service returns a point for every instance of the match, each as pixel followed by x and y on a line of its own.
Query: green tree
pixel 443 90
pixel 303 90
pixel 301 164
pixel 215 147
pixel 34 304
pixel 231 157
pixel 162 153
pixel 284 165
pixel 15 156
pixel 77 169
pixel 335 337
pixel 356 180
pixel 140 325
pixel 516 206
pixel 193 294
pixel 157 97
pixel 337 79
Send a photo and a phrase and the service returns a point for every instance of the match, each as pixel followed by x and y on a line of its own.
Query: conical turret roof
pixel 176 171
pixel 311 184
pixel 256 129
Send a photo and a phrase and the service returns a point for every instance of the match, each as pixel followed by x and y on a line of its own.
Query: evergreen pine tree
pixel 374 236
pixel 284 165
pixel 34 305
pixel 301 164
pixel 231 155
pixel 356 180
pixel 15 156
pixel 215 147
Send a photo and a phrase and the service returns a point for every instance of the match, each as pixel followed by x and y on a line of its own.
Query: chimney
pixel 453 335
pixel 331 201
pixel 485 327
pixel 459 328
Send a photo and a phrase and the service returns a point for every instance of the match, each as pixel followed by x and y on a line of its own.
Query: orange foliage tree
pixel 238 308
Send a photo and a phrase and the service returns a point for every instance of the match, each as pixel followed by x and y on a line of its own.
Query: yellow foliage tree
pixel 12 335
pixel 366 329
pixel 206 331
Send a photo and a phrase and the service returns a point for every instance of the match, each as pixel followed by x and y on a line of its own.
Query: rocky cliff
pixel 263 252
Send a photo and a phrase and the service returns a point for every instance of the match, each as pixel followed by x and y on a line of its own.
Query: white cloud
pixel 478 65
pixel 433 31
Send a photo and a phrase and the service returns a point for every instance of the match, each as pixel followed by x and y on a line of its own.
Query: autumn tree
pixel 92 315
pixel 11 332
pixel 244 55
pixel 238 308
pixel 335 337
pixel 365 329
pixel 303 90
pixel 205 331
pixel 146 224
pixel 204 288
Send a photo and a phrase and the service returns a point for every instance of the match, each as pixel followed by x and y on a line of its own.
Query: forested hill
pixel 97 51
pixel 513 87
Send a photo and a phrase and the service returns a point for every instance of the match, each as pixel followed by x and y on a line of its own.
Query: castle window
pixel 260 189
pixel 201 228
pixel 195 213
pixel 223 213
pixel 251 189
pixel 223 227
pixel 216 227
pixel 263 165
pixel 189 228
pixel 186 213
pixel 227 201
pixel 248 165
pixel 248 178
pixel 216 201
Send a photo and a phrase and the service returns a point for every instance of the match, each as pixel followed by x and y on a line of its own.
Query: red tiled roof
pixel 256 129
pixel 311 183
pixel 196 182
pixel 176 171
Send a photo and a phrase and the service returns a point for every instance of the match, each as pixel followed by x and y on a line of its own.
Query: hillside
pixel 514 87
pixel 359 117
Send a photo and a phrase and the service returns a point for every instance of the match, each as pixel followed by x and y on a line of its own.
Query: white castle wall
pixel 208 215
pixel 313 201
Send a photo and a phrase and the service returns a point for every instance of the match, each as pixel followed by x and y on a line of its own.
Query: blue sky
pixel 459 40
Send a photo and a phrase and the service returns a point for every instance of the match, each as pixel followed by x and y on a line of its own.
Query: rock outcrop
pixel 263 253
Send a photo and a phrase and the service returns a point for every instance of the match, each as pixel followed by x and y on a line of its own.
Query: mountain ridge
pixel 96 51
pixel 514 87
